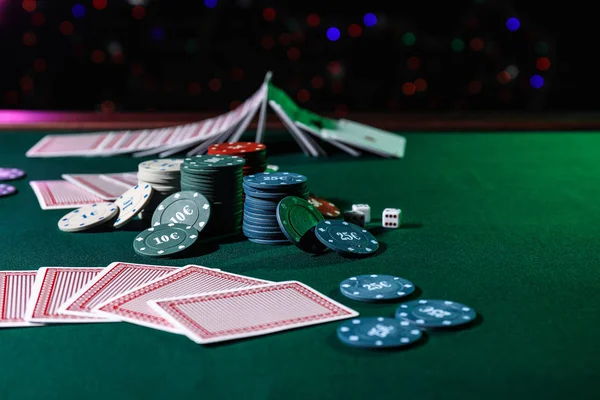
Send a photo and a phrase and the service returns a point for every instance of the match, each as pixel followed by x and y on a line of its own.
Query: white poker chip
pixel 132 202
pixel 88 217
pixel 161 165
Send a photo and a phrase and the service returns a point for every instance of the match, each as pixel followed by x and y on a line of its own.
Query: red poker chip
pixel 325 207
pixel 236 148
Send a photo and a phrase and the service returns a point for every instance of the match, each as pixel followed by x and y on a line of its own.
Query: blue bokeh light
pixel 370 19
pixel 513 24
pixel 78 11
pixel 158 33
pixel 210 3
pixel 536 81
pixel 333 33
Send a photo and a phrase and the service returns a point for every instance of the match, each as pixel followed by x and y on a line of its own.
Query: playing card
pixel 15 290
pixel 308 146
pixel 52 287
pixel 125 179
pixel 133 306
pixel 262 117
pixel 240 313
pixel 97 185
pixel 62 194
pixel 113 281
pixel 67 145
pixel 366 137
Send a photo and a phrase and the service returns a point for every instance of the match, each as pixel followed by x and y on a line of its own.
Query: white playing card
pixel 125 179
pixel 307 147
pixel 95 184
pixel 67 145
pixel 262 117
pixel 15 290
pixel 52 287
pixel 113 281
pixel 59 194
pixel 133 306
pixel 240 313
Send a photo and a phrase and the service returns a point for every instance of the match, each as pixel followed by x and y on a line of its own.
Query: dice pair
pixel 361 215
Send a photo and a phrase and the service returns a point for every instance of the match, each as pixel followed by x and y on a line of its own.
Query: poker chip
pixel 9 174
pixel 7 190
pixel 261 224
pixel 297 219
pixel 346 239
pixel 272 168
pixel 189 208
pixel 274 180
pixel 376 287
pixel 436 313
pixel 254 154
pixel 325 207
pixel 165 240
pixel 132 202
pixel 378 332
pixel 88 217
pixel 164 176
pixel 219 179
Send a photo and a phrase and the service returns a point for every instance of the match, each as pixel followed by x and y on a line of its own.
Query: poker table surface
pixel 505 222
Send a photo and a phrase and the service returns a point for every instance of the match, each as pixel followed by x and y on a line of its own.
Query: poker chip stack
pixel 164 177
pixel 255 154
pixel 263 193
pixel 219 179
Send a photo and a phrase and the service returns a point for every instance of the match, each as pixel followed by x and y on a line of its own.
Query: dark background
pixel 207 55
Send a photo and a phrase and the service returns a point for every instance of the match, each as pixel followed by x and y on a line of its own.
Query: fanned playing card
pixel 15 290
pixel 114 280
pixel 127 179
pixel 133 306
pixel 97 185
pixel 53 286
pixel 240 313
pixel 57 194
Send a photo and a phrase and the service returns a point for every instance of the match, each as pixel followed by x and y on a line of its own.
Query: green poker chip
pixel 297 219
pixel 164 240
pixel 188 208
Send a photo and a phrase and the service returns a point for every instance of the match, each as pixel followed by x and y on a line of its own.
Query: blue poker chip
pixel 346 238
pixel 378 332
pixel 376 287
pixel 275 180
pixel 435 313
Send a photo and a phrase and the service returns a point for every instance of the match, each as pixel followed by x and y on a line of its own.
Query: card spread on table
pixel 240 313
pixel 114 280
pixel 53 286
pixel 127 179
pixel 59 194
pixel 133 305
pixel 15 290
pixel 67 145
pixel 97 185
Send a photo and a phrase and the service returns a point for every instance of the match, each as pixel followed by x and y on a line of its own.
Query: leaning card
pixel 133 306
pixel 114 280
pixel 52 287
pixel 240 313
pixel 97 185
pixel 59 194
pixel 15 289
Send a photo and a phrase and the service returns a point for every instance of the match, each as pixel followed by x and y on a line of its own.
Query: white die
pixel 355 217
pixel 391 218
pixel 363 208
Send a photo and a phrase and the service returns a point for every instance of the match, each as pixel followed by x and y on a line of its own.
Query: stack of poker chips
pixel 219 179
pixel 263 192
pixel 255 154
pixel 164 177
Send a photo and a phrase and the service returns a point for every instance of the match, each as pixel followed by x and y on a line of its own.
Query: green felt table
pixel 505 222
